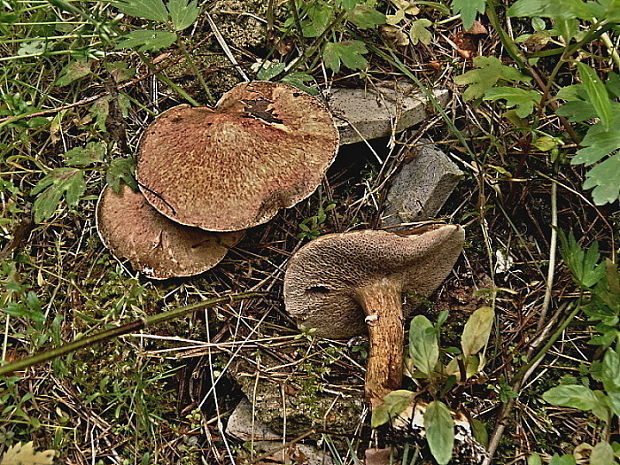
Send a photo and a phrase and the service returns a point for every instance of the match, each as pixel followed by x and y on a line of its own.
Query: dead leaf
pixel 24 454
pixel 477 29
pixel 394 34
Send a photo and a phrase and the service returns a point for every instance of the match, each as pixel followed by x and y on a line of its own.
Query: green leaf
pixel 613 84
pixel 523 99
pixel 154 10
pixel 565 459
pixel 534 459
pixel 393 405
pixel 347 5
pixel 556 9
pixel 477 330
pixel 597 93
pixel 320 16
pixel 67 182
pixel 577 111
pixel 72 72
pixel 610 371
pixel 419 32
pixel 121 171
pixel 572 395
pixel 82 156
pixel 145 40
pixel 468 9
pixel 602 454
pixel 183 13
pixel 583 264
pixel 605 179
pixel 423 345
pixel 599 142
pixel 269 70
pixel 365 17
pixel 298 79
pixel 480 80
pixel 439 428
pixel 348 53
pixel 99 111
pixel 120 71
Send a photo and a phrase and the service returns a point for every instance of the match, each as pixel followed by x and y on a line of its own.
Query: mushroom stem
pixel 382 305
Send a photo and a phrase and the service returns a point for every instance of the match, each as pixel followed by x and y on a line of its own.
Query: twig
pixel 120 330
pixel 226 48
pixel 552 256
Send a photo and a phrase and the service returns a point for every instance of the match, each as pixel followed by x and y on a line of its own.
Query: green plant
pixel 590 107
pixel 424 364
pixel 311 226
pixel 601 281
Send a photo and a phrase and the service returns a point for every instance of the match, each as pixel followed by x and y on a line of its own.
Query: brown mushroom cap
pixel 323 278
pixel 264 147
pixel 158 247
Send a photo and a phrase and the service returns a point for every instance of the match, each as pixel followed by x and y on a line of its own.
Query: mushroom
pixel 265 146
pixel 131 228
pixel 344 284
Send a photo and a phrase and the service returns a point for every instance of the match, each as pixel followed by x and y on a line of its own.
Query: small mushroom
pixel 265 146
pixel 131 228
pixel 346 284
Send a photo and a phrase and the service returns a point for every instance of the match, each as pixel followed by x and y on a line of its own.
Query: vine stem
pixel 120 330
pixel 522 375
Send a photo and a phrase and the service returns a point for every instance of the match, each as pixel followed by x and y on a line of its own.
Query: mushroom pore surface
pixel 264 147
pixel 131 228
pixel 324 278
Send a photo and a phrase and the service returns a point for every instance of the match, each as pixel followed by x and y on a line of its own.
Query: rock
pixel 293 399
pixel 377 457
pixel 273 452
pixel 246 427
pixel 371 113
pixel 421 187
pixel 267 444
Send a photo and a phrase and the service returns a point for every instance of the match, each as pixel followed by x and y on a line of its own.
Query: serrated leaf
pixel 602 454
pixel 72 72
pixel 319 17
pixel 419 32
pixel 599 142
pixel 24 454
pixel 67 182
pixel 121 171
pixel 439 427
pixel 605 179
pixel 183 13
pixel 523 99
pixel 349 53
pixel 365 17
pixel 577 111
pixel 423 345
pixel 347 4
pixel 395 18
pixel 490 71
pixel 565 459
pixel 534 459
pixel 393 405
pixel 154 10
pixel 468 9
pixel 82 156
pixel 145 40
pixel 597 93
pixel 477 330
pixel 583 264
pixel 120 71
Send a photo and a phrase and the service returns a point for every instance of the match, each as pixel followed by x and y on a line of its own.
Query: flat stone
pixel 243 425
pixel 421 186
pixel 365 114
pixel 273 452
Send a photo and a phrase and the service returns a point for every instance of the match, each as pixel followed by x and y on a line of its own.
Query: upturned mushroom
pixel 346 284
pixel 265 146
pixel 160 248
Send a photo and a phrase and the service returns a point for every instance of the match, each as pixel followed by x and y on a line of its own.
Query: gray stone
pixel 365 114
pixel 293 401
pixel 290 454
pixel 421 186
pixel 243 425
